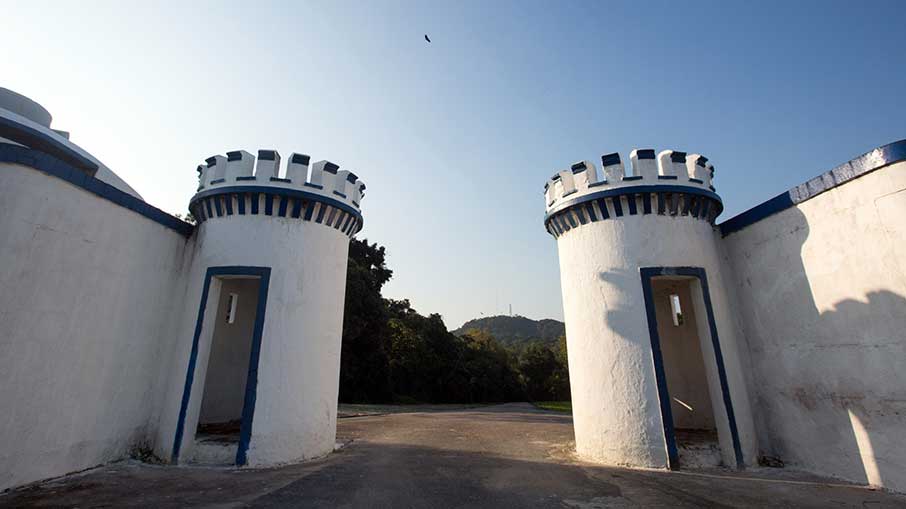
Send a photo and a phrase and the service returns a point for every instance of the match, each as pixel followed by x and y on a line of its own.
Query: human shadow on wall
pixel 825 368
pixel 826 392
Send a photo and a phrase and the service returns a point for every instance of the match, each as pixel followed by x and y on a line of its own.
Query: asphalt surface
pixel 499 456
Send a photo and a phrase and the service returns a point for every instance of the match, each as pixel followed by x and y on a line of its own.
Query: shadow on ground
pixel 502 456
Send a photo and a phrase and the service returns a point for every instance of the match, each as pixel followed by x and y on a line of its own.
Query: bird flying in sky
pixel 426 38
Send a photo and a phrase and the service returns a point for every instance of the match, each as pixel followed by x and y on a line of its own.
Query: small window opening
pixel 231 308
pixel 676 310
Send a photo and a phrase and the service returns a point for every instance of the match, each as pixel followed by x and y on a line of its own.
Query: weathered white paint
pixel 616 413
pixel 298 376
pixel 89 295
pixel 98 313
pixel 822 297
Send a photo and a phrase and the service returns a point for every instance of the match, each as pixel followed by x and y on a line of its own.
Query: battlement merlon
pixel 323 178
pixel 648 168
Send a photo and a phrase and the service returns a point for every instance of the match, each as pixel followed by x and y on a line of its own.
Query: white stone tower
pixel 271 255
pixel 654 365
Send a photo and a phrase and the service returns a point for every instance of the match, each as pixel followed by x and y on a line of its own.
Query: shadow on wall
pixel 828 381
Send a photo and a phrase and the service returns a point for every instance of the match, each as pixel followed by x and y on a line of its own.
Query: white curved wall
pixel 298 371
pixel 615 401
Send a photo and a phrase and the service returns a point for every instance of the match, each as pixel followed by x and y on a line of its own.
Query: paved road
pixel 501 456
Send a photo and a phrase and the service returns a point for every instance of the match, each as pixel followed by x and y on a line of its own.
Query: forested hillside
pixel 516 330
pixel 391 353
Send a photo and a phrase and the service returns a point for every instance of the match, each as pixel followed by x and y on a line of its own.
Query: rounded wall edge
pixel 298 371
pixel 611 364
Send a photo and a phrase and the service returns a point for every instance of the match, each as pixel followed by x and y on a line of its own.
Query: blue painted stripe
pixel 199 213
pixel 661 204
pixel 617 206
pixel 776 204
pixel 330 217
pixel 297 207
pixel 284 201
pixel 602 205
pixel 251 380
pixel 673 200
pixel 868 162
pixel 581 215
pixel 218 181
pixel 590 208
pixel 241 203
pixel 706 209
pixel 696 207
pixel 630 178
pixel 245 178
pixel 646 203
pixel 278 179
pixel 282 191
pixel 655 188
pixel 572 221
pixel 309 211
pixel 346 222
pixel 207 206
pixel 217 207
pixel 268 204
pixel 321 212
pixel 51 165
pixel 255 202
pixel 39 141
pixel 630 201
pixel 315 186
pixel 228 201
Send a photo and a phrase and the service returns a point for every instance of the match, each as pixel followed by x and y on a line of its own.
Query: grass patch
pixel 556 406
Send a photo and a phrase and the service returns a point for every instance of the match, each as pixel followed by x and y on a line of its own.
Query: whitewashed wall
pixel 615 402
pixel 298 377
pixel 822 291
pixel 89 292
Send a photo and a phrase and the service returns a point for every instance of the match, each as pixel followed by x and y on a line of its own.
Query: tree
pixel 364 364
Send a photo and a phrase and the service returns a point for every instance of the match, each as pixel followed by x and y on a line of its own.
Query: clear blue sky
pixel 456 138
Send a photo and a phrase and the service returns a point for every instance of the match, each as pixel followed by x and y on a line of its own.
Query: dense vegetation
pixel 391 353
pixel 516 330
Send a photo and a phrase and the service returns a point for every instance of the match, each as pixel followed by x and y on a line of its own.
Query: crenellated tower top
pixel 668 183
pixel 318 192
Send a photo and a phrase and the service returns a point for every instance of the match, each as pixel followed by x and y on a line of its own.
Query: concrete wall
pixel 90 292
pixel 298 377
pixel 228 364
pixel 683 361
pixel 822 294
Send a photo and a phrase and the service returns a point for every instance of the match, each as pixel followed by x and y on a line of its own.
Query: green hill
pixel 516 330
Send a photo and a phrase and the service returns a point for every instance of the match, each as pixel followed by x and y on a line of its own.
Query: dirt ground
pixel 493 456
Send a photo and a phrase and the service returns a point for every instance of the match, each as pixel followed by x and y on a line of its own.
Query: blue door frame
pixel 648 273
pixel 251 384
